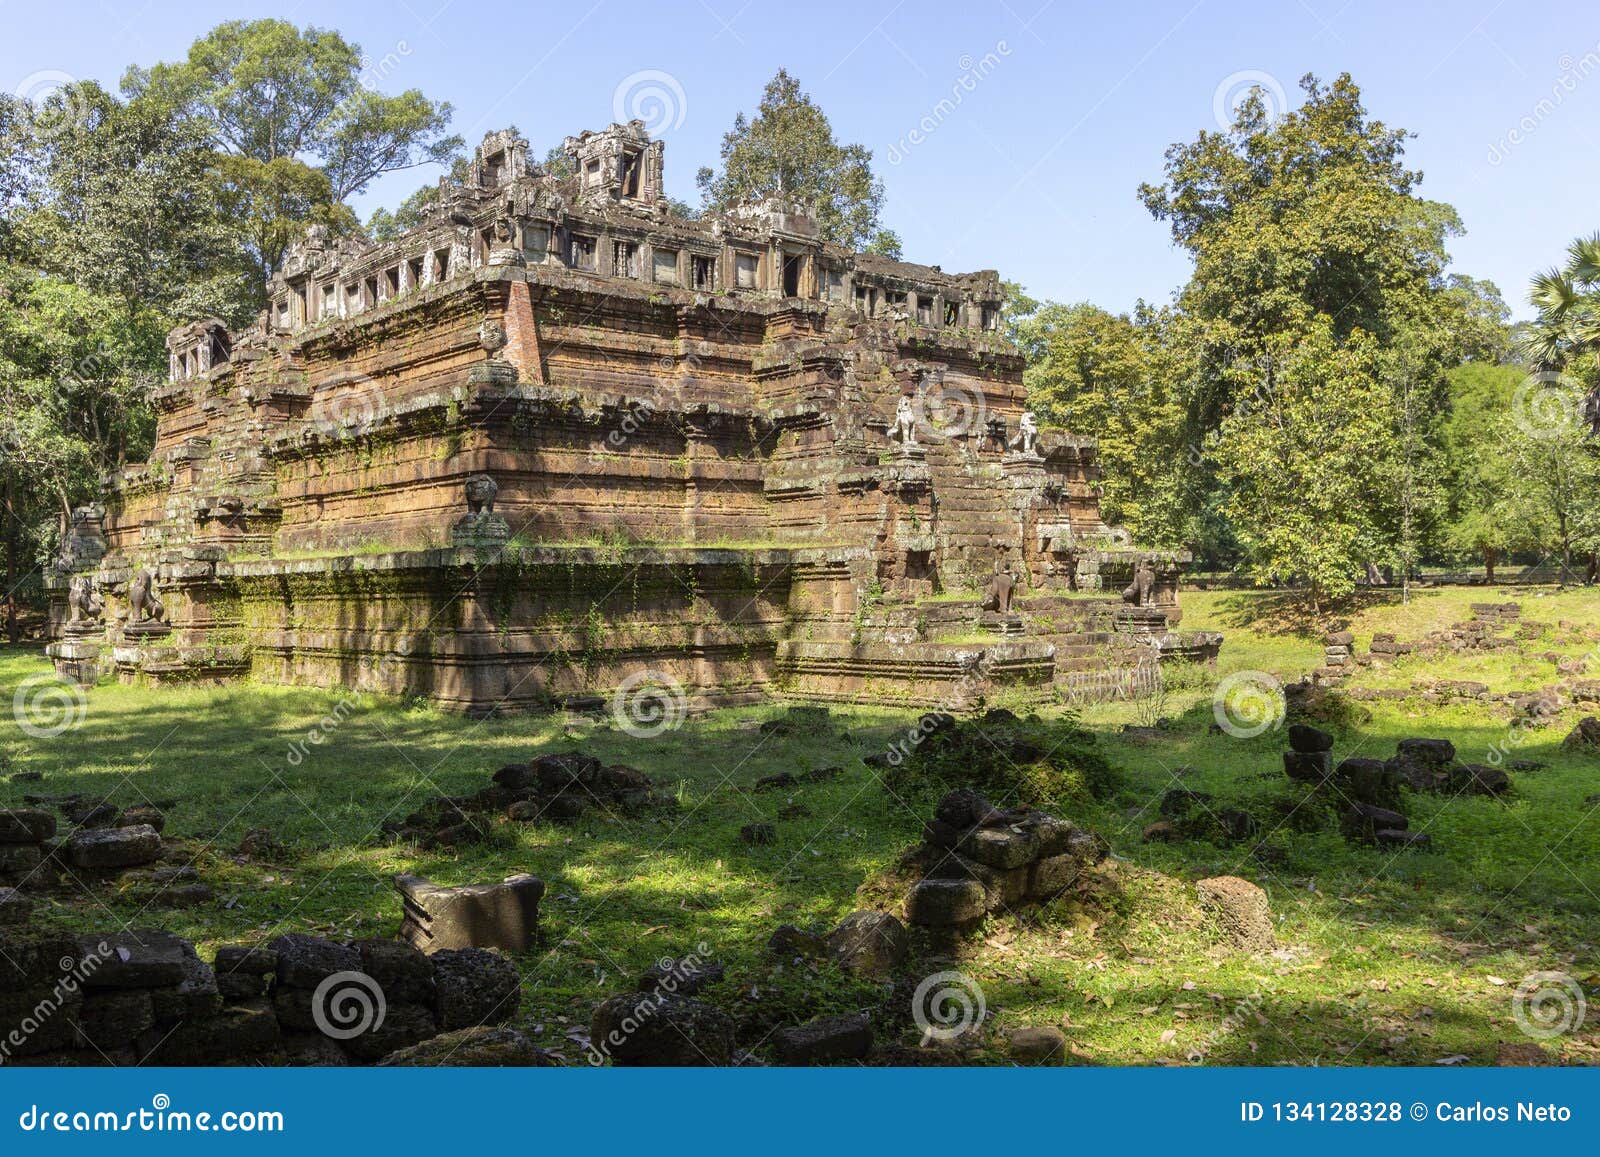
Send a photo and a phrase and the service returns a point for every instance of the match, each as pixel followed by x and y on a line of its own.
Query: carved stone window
pixel 624 259
pixel 793 267
pixel 703 272
pixel 746 270
pixel 952 313
pixel 665 263
pixel 924 309
pixel 535 244
pixel 583 252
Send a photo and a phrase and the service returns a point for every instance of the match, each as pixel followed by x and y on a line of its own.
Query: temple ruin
pixel 558 436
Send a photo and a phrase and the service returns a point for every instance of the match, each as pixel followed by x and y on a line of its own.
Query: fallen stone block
pixel 654 1029
pixel 474 986
pixel 114 847
pixel 868 943
pixel 26 826
pixel 503 915
pixel 1241 911
pixel 829 1038
pixel 1037 1046
pixel 941 903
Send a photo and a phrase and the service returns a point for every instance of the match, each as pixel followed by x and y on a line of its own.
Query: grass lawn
pixel 1383 958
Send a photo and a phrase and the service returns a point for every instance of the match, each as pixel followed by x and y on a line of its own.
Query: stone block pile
pixel 145 997
pixel 1369 791
pixel 977 859
pixel 102 840
pixel 557 787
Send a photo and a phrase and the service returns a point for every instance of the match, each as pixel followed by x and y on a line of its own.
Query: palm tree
pixel 1567 328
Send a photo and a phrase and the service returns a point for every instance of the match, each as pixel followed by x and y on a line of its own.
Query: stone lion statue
pixel 144 604
pixel 904 429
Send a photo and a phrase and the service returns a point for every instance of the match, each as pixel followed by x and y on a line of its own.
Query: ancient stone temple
pixel 558 437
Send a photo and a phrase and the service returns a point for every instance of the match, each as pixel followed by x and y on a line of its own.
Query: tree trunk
pixel 1490 557
pixel 13 629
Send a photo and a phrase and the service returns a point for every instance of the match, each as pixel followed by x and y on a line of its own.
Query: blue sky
pixel 1066 107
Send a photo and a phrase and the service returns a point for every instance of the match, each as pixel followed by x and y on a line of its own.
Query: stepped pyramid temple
pixel 558 439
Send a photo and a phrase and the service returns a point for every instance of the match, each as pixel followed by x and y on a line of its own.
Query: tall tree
pixel 789 149
pixel 1313 254
pixel 124 204
pixel 297 116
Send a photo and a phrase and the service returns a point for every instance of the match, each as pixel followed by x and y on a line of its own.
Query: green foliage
pixel 788 150
pixel 1094 372
pixel 1313 339
pixel 74 369
pixel 1012 761
pixel 297 123
pixel 1566 332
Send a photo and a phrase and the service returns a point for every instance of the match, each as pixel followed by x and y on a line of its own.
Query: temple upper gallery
pixel 558 439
